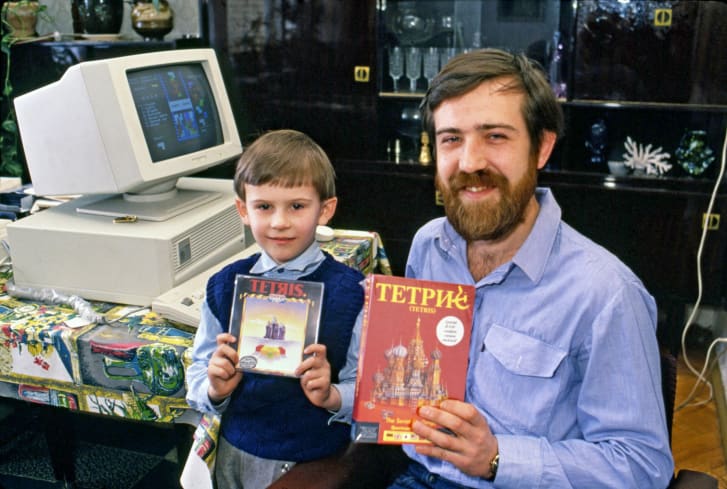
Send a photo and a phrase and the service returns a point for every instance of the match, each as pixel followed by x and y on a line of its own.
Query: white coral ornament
pixel 638 158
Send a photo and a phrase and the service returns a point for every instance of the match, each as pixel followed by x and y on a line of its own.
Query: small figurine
pixel 425 156
pixel 596 142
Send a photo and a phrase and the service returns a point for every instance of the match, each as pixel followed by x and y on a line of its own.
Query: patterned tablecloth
pixel 131 366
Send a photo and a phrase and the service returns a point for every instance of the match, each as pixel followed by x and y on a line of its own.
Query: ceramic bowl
pixel 618 168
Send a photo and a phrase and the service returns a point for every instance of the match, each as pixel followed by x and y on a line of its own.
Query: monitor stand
pixel 149 207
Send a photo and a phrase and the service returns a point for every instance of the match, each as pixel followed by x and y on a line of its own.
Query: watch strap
pixel 494 464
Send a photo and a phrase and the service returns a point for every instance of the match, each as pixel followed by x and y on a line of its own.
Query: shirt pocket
pixel 518 380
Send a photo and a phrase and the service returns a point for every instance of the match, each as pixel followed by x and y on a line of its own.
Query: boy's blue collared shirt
pixel 301 265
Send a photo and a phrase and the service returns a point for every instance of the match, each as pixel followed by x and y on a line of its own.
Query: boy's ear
pixel 242 210
pixel 328 208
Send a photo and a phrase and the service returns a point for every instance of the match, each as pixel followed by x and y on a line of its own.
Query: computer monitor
pixel 127 133
pixel 129 126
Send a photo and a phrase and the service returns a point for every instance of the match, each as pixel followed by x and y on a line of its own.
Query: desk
pixel 133 366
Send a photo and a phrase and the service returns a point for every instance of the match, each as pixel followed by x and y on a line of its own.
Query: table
pixel 130 367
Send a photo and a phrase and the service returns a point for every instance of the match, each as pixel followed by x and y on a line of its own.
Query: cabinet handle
pixel 710 221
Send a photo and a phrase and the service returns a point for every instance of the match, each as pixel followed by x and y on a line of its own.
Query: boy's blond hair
pixel 285 158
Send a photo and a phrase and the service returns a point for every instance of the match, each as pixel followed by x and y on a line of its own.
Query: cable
pixel 125 315
pixel 80 305
pixel 697 303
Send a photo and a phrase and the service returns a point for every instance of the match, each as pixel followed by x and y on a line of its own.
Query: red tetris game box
pixel 274 321
pixel 414 347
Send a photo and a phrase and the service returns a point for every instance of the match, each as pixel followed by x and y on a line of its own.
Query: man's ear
pixel 546 147
pixel 328 208
pixel 242 210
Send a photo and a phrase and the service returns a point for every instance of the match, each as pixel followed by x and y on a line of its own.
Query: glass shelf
pixel 623 104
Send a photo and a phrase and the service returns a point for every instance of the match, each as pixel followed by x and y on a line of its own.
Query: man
pixel 563 385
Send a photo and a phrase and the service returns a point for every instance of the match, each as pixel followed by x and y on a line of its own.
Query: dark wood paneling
pixel 394 200
pixel 302 77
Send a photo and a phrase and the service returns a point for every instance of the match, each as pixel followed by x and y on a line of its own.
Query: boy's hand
pixel 221 371
pixel 315 378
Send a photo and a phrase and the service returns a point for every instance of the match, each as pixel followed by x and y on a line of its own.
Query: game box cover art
pixel 274 321
pixel 414 348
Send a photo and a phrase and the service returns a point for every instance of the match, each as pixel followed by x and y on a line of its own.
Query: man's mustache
pixel 480 178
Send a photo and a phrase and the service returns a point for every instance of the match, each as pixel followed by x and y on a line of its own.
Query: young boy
pixel 285 187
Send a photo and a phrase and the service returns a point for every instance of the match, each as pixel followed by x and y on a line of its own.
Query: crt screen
pixel 176 109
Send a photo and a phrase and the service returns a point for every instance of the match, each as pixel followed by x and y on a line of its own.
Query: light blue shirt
pixel 564 361
pixel 205 340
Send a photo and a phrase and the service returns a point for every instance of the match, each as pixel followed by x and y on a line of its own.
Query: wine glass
pixel 396 65
pixel 413 66
pixel 445 55
pixel 431 64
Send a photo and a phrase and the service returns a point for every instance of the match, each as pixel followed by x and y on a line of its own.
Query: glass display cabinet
pixel 624 70
pixel 416 38
pixel 646 71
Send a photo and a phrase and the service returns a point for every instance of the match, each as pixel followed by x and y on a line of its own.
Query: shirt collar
pixel 310 258
pixel 532 256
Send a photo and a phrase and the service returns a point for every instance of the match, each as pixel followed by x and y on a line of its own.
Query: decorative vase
pixel 21 18
pixel 693 154
pixel 101 16
pixel 151 21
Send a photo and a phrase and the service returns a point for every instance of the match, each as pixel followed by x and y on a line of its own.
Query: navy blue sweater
pixel 269 416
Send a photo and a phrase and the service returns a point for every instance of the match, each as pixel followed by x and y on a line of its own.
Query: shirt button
pixel 285 468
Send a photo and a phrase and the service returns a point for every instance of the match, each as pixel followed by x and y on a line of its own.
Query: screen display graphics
pixel 176 109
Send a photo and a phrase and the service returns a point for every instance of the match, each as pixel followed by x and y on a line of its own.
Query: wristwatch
pixel 494 463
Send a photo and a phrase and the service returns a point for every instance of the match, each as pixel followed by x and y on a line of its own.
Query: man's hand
pixel 315 378
pixel 469 445
pixel 221 371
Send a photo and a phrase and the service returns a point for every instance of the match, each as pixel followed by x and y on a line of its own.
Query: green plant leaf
pixel 9 125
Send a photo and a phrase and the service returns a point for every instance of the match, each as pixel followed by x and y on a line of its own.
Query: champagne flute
pixel 413 67
pixel 396 65
pixel 445 55
pixel 431 64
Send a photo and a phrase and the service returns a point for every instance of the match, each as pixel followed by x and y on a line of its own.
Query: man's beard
pixel 487 220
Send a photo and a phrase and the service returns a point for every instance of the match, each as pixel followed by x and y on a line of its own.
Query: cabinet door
pixel 655 232
pixel 307 65
pixel 415 39
pixel 667 52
